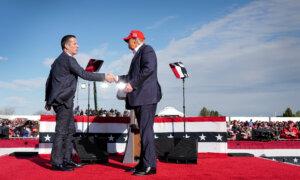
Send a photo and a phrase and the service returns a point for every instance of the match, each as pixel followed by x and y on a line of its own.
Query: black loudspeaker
pixel 179 150
pixel 185 151
pixel 24 154
pixel 164 146
pixel 92 149
pixel 240 155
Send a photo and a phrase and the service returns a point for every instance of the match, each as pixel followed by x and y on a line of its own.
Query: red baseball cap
pixel 134 34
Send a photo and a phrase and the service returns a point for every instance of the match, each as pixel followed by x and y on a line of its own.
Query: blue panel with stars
pixel 122 138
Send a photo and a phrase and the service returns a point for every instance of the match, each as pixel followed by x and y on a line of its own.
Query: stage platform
pixel 210 166
pixel 215 153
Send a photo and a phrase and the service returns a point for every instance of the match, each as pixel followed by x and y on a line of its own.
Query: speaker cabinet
pixel 185 151
pixel 164 146
pixel 178 150
pixel 92 149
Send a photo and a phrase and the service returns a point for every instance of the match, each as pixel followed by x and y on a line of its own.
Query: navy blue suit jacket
pixel 62 80
pixel 142 76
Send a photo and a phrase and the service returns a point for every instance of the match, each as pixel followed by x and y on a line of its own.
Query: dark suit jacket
pixel 62 80
pixel 142 76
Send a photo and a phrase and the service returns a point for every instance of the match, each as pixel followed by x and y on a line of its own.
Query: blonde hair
pixel 140 41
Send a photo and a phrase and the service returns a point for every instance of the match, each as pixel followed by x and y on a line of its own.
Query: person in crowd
pixel 290 132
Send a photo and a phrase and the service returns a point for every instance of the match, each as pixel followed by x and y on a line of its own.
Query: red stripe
pixel 175 72
pixel 47 118
pixel 189 119
pixel 92 119
pixel 127 119
pixel 286 144
pixel 19 143
pixel 33 143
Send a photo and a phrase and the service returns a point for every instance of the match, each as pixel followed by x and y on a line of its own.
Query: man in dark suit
pixel 143 94
pixel 60 91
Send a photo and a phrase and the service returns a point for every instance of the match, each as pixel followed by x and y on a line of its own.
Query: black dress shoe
pixel 145 171
pixel 72 164
pixel 134 169
pixel 61 167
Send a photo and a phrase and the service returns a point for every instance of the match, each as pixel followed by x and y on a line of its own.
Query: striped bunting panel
pixel 210 131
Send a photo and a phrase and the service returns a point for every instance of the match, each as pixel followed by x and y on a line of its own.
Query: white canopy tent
pixel 170 111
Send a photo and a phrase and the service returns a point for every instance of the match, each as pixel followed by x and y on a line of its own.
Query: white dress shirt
pixel 137 48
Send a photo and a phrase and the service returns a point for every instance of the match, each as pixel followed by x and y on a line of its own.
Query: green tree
pixel 297 114
pixel 217 113
pixel 214 113
pixel 288 113
pixel 204 112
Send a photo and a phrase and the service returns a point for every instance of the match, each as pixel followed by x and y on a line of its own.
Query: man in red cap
pixel 143 94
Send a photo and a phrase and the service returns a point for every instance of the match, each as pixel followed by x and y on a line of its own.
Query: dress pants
pixel 64 130
pixel 145 117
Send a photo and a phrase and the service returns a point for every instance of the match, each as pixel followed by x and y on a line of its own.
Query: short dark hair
pixel 65 39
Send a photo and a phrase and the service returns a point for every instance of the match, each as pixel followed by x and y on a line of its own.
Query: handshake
pixel 109 77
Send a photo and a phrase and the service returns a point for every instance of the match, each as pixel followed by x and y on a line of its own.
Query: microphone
pixel 121 95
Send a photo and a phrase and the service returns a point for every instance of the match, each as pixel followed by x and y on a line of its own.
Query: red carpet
pixel 285 144
pixel 208 167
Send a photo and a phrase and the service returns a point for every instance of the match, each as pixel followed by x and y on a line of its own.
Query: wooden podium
pixel 133 146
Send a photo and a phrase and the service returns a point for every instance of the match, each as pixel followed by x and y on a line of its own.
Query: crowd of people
pixel 24 128
pixel 236 130
pixel 19 128
pixel 262 131
pixel 102 112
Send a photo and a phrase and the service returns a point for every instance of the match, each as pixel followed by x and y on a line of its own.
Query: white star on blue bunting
pixel 202 137
pixel 110 138
pixel 219 137
pixel 47 138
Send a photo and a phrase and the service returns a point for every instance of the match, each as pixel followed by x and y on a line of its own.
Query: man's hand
pixel 109 77
pixel 116 78
pixel 47 107
pixel 128 88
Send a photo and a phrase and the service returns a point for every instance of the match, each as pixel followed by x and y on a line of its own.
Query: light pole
pixel 95 97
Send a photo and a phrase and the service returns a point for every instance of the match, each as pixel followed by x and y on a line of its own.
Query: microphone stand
pixel 95 97
pixel 183 103
pixel 183 94
pixel 88 113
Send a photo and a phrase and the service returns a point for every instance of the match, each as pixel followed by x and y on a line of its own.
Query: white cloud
pixel 238 63
pixel 48 61
pixel 245 63
pixel 24 84
pixel 97 53
pixel 83 57
pixel 3 58
pixel 249 53
pixel 160 22
pixel 17 100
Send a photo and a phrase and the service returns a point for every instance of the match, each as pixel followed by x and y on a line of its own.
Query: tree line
pixel 206 112
pixel 289 113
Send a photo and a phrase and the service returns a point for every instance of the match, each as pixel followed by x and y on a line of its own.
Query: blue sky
pixel 242 55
